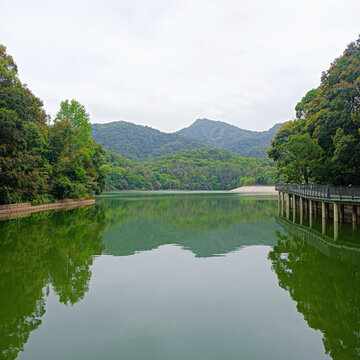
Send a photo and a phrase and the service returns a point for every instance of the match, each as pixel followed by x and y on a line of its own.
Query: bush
pixel 62 188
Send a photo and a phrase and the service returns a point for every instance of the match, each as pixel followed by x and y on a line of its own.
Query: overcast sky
pixel 164 63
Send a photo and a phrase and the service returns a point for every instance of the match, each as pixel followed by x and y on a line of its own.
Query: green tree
pixel 76 114
pixel 23 136
pixel 297 158
pixel 75 158
pixel 301 107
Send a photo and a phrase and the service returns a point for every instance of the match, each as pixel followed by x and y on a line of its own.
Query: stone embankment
pixel 24 209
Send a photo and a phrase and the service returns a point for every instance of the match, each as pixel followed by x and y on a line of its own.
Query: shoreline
pixel 13 211
pixel 246 189
pixel 256 190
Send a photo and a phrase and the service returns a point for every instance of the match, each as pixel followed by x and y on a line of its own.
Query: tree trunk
pixel 306 177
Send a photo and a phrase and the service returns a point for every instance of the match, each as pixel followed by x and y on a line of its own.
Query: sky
pixel 165 63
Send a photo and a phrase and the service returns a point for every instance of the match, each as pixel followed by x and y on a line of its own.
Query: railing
pixel 336 193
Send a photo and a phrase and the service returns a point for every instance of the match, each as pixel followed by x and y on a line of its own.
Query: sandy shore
pixel 254 189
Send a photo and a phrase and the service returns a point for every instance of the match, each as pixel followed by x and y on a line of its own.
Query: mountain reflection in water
pixel 206 225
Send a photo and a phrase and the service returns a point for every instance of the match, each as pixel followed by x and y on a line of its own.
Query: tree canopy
pixel 328 122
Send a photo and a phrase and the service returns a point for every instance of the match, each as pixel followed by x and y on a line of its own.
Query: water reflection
pixel 206 225
pixel 323 277
pixel 46 249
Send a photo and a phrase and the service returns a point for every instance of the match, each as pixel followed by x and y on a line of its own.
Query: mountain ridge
pixel 142 143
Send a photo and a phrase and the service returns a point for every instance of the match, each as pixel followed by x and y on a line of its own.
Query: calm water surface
pixel 176 276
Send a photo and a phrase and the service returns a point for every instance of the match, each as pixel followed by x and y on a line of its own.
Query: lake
pixel 144 275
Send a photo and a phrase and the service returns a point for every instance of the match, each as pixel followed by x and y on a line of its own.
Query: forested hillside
pixel 139 143
pixel 200 169
pixel 323 144
pixel 231 138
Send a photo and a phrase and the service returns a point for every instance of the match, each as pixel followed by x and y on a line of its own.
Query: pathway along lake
pixel 176 276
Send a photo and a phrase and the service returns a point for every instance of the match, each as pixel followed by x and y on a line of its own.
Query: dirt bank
pixel 256 189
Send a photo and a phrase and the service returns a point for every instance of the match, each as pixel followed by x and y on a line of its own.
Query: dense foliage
pixel 201 169
pixel 39 162
pixel 322 144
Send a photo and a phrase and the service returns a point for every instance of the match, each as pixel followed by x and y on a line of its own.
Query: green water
pixel 176 276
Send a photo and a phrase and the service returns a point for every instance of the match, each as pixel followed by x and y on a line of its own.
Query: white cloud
pixel 165 63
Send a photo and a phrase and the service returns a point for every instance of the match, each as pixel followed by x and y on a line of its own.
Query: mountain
pixel 231 138
pixel 139 143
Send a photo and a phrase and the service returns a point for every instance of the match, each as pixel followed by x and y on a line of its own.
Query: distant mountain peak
pixel 230 137
pixel 206 120
pixel 202 121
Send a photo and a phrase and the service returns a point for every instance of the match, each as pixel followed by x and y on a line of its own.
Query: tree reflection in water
pixel 46 249
pixel 325 283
